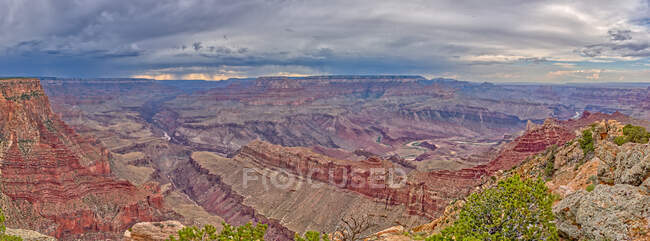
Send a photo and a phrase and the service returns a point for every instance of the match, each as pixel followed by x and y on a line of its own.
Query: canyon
pixel 57 182
pixel 185 147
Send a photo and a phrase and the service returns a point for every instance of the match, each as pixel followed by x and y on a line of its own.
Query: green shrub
pixel 312 236
pixel 513 210
pixel 25 96
pixel 590 187
pixel 3 230
pixel 246 232
pixel 636 134
pixel 587 142
pixel 50 125
pixel 549 167
pixel 25 146
pixel 620 140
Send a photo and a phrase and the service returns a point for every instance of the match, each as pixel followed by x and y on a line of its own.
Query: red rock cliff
pixel 58 182
pixel 425 193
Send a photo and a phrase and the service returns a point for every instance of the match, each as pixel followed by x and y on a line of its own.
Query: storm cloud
pixel 509 40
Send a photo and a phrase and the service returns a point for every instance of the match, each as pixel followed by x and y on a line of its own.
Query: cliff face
pixel 57 182
pixel 215 196
pixel 379 114
pixel 298 205
pixel 425 193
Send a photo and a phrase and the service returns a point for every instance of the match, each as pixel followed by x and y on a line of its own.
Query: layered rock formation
pixel 154 126
pixel 425 193
pixel 288 205
pixel 57 182
pixel 376 113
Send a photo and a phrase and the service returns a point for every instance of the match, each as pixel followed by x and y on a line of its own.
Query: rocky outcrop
pixel 58 182
pixel 29 235
pixel 153 231
pixel 533 141
pixel 629 164
pixel 618 212
pixel 618 208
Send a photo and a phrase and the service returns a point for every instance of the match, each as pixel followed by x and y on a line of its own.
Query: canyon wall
pixel 57 182
pixel 425 193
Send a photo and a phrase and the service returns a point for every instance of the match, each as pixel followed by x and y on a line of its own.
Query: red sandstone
pixel 425 193
pixel 50 171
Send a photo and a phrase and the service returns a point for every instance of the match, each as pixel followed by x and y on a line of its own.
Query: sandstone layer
pixel 57 182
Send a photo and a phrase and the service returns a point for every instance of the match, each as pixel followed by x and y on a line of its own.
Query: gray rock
pixel 29 235
pixel 607 213
pixel 646 185
pixel 627 164
pixel 153 231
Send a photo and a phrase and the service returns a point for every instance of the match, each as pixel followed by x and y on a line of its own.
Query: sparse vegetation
pixel 549 166
pixel 587 146
pixel 246 232
pixel 352 228
pixel 631 133
pixel 25 146
pixel 312 236
pixel 568 143
pixel 24 96
pixel 587 142
pixel 3 230
pixel 515 209
pixel 593 179
pixel 50 125
pixel 590 187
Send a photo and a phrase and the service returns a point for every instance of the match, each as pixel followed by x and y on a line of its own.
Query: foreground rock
pixel 617 212
pixel 153 231
pixel 29 235
pixel 618 208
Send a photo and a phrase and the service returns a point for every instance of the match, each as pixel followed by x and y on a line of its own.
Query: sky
pixel 496 41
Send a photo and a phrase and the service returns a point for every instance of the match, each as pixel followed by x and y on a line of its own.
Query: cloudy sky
pixel 497 41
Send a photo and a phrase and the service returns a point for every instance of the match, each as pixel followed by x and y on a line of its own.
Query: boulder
pixel 618 212
pixel 153 231
pixel 627 164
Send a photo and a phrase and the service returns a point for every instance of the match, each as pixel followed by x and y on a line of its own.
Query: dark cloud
pixel 616 50
pixel 336 37
pixel 621 44
pixel 619 35
pixel 535 60
pixel 197 46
